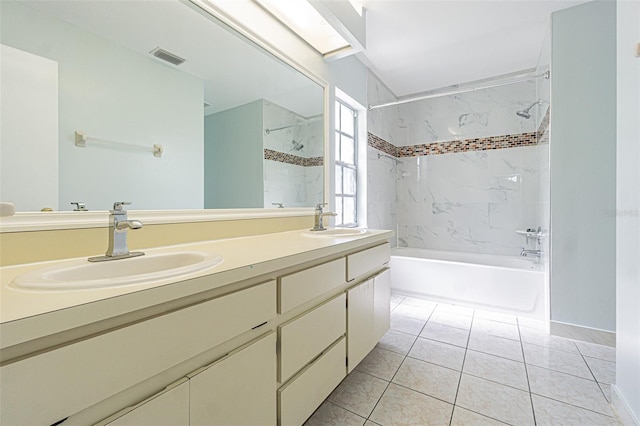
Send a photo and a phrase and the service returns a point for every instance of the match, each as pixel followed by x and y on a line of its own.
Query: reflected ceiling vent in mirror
pixel 167 56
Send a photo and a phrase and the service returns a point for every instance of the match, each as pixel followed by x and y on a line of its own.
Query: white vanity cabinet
pixel 239 389
pixel 167 408
pixel 264 350
pixel 368 316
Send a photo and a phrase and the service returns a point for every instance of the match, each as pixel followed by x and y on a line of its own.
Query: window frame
pixel 340 196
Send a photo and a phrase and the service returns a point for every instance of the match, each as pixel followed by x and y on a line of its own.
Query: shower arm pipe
pixel 267 131
pixel 387 156
pixel 457 91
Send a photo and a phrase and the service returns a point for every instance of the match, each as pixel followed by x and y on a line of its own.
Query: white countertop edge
pixel 17 331
pixel 45 221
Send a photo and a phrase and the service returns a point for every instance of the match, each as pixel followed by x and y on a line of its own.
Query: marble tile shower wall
pixel 479 114
pixel 469 201
pixel 292 158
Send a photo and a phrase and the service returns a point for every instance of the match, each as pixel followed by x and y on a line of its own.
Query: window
pixel 346 166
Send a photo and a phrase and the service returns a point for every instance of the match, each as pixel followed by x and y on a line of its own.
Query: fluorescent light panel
pixel 304 20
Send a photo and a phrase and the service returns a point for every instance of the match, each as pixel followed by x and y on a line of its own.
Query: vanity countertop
pixel 27 315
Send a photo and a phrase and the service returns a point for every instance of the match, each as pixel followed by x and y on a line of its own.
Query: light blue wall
pixel 627 385
pixel 111 93
pixel 583 165
pixel 233 158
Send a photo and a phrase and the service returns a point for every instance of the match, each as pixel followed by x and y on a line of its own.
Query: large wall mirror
pixel 238 127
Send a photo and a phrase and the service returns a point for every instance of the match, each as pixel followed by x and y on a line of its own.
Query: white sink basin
pixel 336 233
pixel 82 274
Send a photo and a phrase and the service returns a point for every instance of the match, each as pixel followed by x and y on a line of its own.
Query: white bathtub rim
pixel 531 266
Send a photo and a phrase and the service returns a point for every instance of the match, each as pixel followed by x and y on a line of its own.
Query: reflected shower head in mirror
pixel 525 112
pixel 297 146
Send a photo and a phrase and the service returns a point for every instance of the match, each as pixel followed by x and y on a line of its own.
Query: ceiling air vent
pixel 167 56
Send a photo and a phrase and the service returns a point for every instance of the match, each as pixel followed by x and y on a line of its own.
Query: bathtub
pixel 508 284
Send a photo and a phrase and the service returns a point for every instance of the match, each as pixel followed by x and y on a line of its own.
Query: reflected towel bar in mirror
pixel 82 139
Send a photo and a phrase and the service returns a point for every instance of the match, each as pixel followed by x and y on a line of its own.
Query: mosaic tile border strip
pixel 466 145
pixel 382 145
pixel 543 129
pixel 283 157
pixel 451 147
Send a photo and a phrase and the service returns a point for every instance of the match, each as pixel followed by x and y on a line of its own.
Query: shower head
pixel 525 112
pixel 297 146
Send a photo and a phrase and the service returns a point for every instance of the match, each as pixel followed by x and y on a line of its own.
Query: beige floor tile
pixel 551 412
pixel 604 371
pixel 396 341
pixel 494 400
pixel 497 369
pixel 421 303
pixel 433 380
pixel 564 362
pixel 438 353
pixel 359 393
pixel 331 415
pixel 421 313
pixel 606 390
pixel 543 338
pixel 495 328
pixel 445 334
pixel 401 406
pixel 592 350
pixel 464 417
pixel 566 388
pixel 406 324
pixel 498 346
pixel 381 363
pixel 452 320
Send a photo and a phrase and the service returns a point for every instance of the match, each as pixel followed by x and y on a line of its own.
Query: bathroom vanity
pixel 262 337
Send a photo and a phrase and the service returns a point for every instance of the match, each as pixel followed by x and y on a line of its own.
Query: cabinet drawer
pixel 168 408
pixel 305 337
pixel 299 399
pixel 300 287
pixel 94 369
pixel 367 260
pixel 238 390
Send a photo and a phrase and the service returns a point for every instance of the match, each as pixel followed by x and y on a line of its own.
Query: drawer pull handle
pixel 259 325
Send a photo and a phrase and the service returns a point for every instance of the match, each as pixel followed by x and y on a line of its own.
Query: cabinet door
pixel 381 308
pixel 168 408
pixel 239 389
pixel 360 337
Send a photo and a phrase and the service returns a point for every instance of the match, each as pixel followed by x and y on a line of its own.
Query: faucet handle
pixel 80 206
pixel 118 205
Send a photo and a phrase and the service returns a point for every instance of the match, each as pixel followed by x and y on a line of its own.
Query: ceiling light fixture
pixel 304 20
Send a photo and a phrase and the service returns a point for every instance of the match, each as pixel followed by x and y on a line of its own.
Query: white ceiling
pixel 233 70
pixel 415 46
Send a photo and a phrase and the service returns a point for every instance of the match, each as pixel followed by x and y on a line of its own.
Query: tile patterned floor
pixel 449 365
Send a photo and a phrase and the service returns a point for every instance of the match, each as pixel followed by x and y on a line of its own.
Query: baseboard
pixel 586 334
pixel 622 409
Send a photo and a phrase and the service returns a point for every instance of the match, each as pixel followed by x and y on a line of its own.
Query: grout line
pixel 339 406
pixel 573 405
pixel 394 374
pixel 464 359
pixel 526 371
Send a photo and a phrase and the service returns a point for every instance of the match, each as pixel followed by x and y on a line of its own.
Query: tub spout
pixel 525 252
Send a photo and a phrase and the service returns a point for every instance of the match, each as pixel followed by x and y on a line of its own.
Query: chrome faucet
pixel 118 226
pixel 319 217
pixel 536 253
